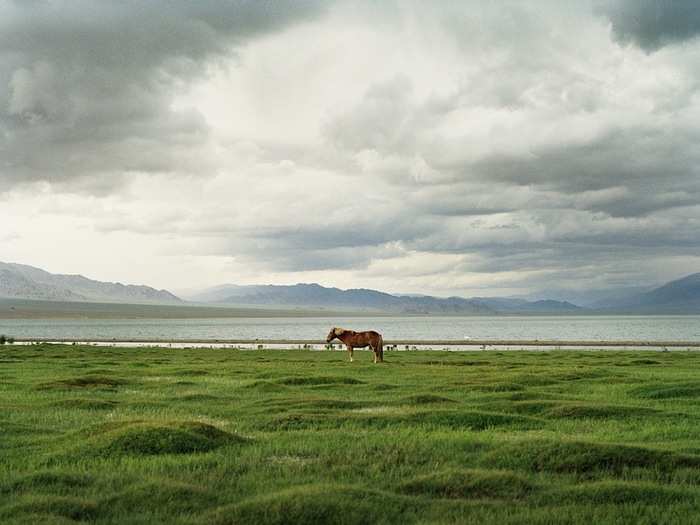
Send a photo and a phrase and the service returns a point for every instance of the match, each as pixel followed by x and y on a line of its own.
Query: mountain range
pixel 20 281
pixel 365 299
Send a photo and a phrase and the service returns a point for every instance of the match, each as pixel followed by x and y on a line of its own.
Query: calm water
pixel 651 328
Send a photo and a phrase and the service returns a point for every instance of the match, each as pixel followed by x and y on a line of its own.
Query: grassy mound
pixel 85 404
pixel 569 409
pixel 310 403
pixel 471 420
pixel 198 397
pixel 175 496
pixel 319 380
pixel 331 505
pixel 150 438
pixel 298 421
pixel 191 373
pixel 49 507
pixel 491 484
pixel 264 386
pixel 529 407
pixel 499 386
pixel 581 458
pixel 89 381
pixel 48 481
pixel 645 362
pixel 667 390
pixel 589 410
pixel 474 420
pixel 620 493
pixel 425 399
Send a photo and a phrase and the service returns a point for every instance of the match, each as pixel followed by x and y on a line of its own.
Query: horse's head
pixel 335 332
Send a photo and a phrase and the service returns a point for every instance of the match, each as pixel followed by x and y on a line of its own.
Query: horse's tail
pixel 380 351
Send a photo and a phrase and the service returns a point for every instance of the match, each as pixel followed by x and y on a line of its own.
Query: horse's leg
pixel 350 352
pixel 374 350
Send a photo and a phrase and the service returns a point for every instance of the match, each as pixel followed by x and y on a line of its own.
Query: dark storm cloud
pixel 652 24
pixel 89 85
pixel 463 143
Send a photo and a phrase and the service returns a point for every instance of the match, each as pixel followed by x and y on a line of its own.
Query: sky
pixel 446 148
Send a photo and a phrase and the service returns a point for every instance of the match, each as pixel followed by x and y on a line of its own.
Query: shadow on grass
pixel 89 381
pixel 667 390
pixel 618 493
pixel 84 404
pixel 583 458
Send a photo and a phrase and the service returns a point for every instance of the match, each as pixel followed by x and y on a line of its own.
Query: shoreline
pixel 389 345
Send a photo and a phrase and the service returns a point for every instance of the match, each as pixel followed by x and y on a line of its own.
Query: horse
pixel 354 340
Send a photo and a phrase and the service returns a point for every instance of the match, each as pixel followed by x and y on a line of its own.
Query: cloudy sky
pixel 469 148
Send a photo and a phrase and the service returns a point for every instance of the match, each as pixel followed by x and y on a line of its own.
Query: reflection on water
pixel 686 328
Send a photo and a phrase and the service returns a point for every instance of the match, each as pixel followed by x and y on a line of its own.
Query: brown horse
pixel 354 340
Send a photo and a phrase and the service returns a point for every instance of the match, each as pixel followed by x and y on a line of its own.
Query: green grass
pixel 147 435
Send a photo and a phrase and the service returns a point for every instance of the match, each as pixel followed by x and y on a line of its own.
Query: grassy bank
pixel 220 436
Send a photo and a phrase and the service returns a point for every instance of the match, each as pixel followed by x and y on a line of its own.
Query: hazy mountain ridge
pixel 676 297
pixel 304 294
pixel 679 296
pixel 18 281
pixel 27 282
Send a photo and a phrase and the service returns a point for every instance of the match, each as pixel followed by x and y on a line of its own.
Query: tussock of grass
pixel 530 407
pixel 184 383
pixel 470 483
pixel 298 421
pixel 538 379
pixel 583 458
pixel 328 504
pixel 570 409
pixel 265 386
pixel 645 362
pixel 176 496
pixel 667 391
pixel 426 399
pixel 472 420
pixel 89 381
pixel 150 438
pixel 48 481
pixel 457 420
pixel 191 373
pixel 73 508
pixel 196 398
pixel 312 404
pixel 85 404
pixel 452 362
pixel 588 410
pixel 500 386
pixel 619 493
pixel 11 428
pixel 319 380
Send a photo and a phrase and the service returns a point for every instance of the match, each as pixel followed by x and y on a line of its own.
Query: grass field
pixel 112 435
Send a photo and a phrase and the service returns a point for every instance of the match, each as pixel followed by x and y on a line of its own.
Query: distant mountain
pixel 681 296
pixel 587 297
pixel 522 306
pixel 20 281
pixel 315 295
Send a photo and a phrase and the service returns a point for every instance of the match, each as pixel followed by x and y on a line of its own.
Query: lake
pixel 593 328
